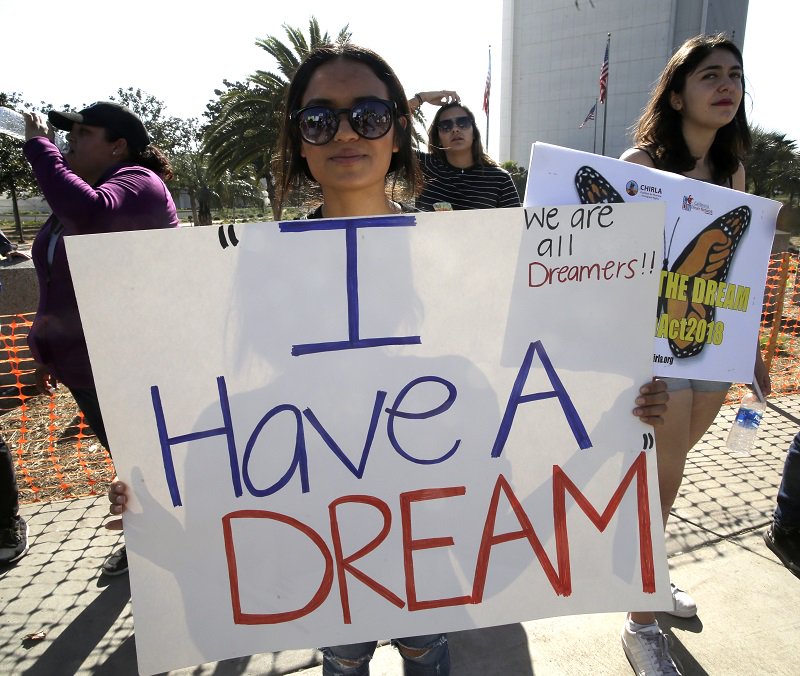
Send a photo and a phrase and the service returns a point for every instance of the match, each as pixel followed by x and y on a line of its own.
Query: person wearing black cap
pixel 111 179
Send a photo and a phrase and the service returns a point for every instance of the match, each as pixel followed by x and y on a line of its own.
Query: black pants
pixel 86 398
pixel 9 495
pixel 5 244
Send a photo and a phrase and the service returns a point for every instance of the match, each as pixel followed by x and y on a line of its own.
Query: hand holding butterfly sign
pixel 651 404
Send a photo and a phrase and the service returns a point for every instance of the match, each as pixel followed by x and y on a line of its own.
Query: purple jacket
pixel 127 197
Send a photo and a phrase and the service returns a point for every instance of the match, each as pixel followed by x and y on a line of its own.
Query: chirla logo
pixel 632 187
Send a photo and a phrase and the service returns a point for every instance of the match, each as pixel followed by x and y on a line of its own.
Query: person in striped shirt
pixel 457 172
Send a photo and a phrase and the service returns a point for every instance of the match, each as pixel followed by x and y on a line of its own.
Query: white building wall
pixel 552 53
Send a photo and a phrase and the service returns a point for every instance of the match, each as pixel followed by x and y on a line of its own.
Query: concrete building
pixel 552 53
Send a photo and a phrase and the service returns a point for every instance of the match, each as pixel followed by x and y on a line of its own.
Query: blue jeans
pixel 353 659
pixel 787 513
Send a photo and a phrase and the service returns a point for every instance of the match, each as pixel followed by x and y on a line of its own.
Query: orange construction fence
pixel 57 456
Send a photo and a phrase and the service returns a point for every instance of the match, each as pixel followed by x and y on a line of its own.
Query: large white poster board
pixel 717 243
pixel 336 431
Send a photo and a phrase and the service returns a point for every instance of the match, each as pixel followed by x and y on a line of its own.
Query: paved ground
pixel 748 621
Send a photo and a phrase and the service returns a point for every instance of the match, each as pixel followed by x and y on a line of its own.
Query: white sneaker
pixel 648 651
pixel 683 605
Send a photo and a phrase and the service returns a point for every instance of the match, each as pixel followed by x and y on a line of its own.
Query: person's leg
pixel 689 415
pixel 787 511
pixel 13 528
pixel 427 655
pixel 783 535
pixel 672 447
pixel 5 244
pixel 706 405
pixel 9 494
pixel 348 660
pixel 86 398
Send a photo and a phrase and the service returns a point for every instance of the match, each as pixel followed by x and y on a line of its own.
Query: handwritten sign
pixel 716 247
pixel 343 430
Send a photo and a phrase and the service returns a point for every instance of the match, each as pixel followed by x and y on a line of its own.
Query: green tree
pixel 16 178
pixel 519 175
pixel 237 191
pixel 773 166
pixel 242 135
pixel 190 167
pixel 180 140
pixel 165 131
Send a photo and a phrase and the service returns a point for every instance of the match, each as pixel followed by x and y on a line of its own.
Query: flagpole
pixel 605 103
pixel 486 97
pixel 594 143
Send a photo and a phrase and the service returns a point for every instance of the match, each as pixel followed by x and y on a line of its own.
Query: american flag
pixel 488 85
pixel 604 74
pixel 589 116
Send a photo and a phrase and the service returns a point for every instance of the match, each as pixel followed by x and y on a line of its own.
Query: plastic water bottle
pixel 13 124
pixel 745 426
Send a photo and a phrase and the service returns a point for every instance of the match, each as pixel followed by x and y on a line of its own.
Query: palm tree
pixel 242 135
pixel 773 164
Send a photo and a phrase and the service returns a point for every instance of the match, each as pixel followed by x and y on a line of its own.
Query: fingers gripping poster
pixel 716 244
pixel 343 430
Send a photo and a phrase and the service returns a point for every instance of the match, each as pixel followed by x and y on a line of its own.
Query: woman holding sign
pixel 347 128
pixel 694 125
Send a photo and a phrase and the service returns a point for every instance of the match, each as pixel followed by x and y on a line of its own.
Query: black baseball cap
pixel 110 115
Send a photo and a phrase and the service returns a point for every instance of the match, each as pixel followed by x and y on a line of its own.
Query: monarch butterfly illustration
pixel 594 189
pixel 708 256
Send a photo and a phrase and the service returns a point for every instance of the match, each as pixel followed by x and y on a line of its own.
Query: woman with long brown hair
pixel 694 125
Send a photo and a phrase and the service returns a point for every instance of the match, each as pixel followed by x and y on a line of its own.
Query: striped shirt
pixel 479 187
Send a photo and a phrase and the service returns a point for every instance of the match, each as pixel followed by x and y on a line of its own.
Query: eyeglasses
pixel 370 119
pixel 462 122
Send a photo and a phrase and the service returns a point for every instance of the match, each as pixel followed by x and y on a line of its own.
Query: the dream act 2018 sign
pixel 352 429
pixel 716 245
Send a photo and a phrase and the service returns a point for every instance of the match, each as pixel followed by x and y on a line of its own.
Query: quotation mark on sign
pixel 647 439
pixel 231 236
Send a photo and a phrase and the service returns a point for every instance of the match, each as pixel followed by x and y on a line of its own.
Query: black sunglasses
pixel 370 119
pixel 462 122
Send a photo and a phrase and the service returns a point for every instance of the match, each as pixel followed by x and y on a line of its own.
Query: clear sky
pixel 180 51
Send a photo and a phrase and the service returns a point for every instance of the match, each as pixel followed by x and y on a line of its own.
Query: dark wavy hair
pixel 479 155
pixel 659 129
pixel 293 168
pixel 151 157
